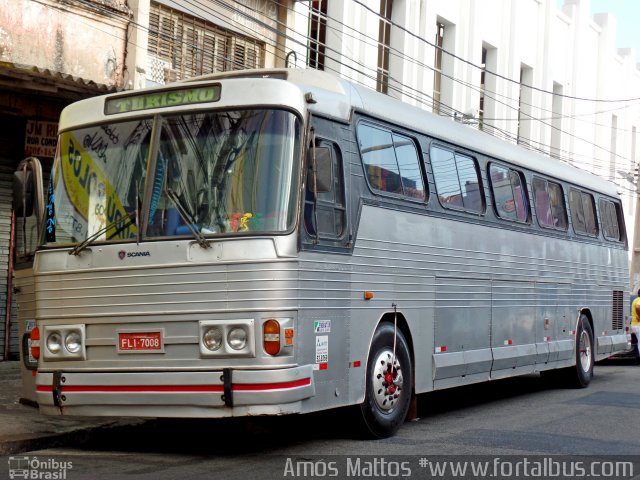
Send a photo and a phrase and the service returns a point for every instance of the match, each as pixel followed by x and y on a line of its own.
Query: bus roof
pixel 338 98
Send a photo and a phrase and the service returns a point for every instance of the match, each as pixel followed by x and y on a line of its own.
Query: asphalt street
pixel 493 422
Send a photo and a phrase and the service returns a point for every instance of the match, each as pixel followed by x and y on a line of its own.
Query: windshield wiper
pixel 187 218
pixel 128 219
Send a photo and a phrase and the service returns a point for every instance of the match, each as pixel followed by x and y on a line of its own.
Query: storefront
pixel 31 100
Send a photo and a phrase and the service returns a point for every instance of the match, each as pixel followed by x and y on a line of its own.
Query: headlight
pixel 64 342
pixel 54 342
pixel 227 338
pixel 237 338
pixel 212 338
pixel 73 342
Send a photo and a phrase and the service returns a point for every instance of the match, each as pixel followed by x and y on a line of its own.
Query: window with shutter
pixel 185 46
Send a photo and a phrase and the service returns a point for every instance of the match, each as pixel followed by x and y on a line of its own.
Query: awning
pixel 33 80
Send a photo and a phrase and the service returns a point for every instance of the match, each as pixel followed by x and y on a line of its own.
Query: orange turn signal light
pixel 271 337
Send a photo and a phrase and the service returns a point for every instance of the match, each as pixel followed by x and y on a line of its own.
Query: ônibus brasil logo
pixel 38 468
pixel 122 254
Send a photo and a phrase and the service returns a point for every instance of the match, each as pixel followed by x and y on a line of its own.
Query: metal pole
pixel 635 250
pixel 7 320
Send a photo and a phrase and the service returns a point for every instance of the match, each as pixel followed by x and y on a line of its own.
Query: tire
pixel 580 375
pixel 583 372
pixel 388 393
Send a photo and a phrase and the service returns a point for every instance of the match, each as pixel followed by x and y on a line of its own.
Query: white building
pixel 491 52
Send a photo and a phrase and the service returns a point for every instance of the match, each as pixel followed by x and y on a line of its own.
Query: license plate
pixel 145 342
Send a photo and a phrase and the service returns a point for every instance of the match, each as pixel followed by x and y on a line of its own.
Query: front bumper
pixel 220 393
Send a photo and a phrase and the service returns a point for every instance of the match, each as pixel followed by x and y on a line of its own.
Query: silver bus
pixel 276 242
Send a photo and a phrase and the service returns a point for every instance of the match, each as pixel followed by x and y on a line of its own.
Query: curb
pixel 39 442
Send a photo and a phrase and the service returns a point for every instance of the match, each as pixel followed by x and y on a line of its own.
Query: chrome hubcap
pixel 387 381
pixel 585 351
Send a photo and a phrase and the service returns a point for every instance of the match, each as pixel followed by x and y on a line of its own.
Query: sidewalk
pixel 23 428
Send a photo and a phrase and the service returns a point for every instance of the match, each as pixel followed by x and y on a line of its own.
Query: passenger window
pixel 509 195
pixel 410 171
pixel 609 215
pixel 457 180
pixel 391 162
pixel 330 212
pixel 583 213
pixel 549 203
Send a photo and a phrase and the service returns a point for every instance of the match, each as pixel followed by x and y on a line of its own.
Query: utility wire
pixel 501 133
pixel 601 163
pixel 363 73
pixel 401 55
pixel 526 145
pixel 259 22
pixel 468 62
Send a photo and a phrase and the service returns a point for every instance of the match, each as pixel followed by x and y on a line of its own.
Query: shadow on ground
pixel 234 436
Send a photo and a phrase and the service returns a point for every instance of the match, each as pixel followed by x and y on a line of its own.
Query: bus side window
pixel 391 162
pixel 457 180
pixel 330 204
pixel 610 214
pixel 549 203
pixel 446 177
pixel 583 212
pixel 376 147
pixel 508 193
pixel 410 171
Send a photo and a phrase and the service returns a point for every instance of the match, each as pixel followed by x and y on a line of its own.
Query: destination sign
pixel 170 98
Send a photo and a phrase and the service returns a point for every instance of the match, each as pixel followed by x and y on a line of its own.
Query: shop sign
pixel 40 139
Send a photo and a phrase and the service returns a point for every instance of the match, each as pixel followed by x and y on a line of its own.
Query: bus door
pixel 28 211
pixel 325 269
pixel 325 210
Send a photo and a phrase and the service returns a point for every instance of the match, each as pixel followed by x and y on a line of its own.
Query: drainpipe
pixel 7 320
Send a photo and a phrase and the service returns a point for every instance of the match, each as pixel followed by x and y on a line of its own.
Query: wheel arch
pixel 403 326
pixel 586 311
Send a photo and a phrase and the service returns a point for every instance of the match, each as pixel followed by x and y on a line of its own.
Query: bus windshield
pixel 228 173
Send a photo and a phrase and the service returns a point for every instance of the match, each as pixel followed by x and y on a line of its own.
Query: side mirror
pixel 323 170
pixel 28 206
pixel 23 193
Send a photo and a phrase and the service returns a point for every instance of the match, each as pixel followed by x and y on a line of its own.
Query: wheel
pixel 388 383
pixel 578 376
pixel 583 372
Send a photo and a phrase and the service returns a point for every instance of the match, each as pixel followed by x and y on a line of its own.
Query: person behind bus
pixel 635 327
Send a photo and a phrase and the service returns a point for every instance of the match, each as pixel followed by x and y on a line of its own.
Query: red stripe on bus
pixel 134 388
pixel 271 386
pixel 176 388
